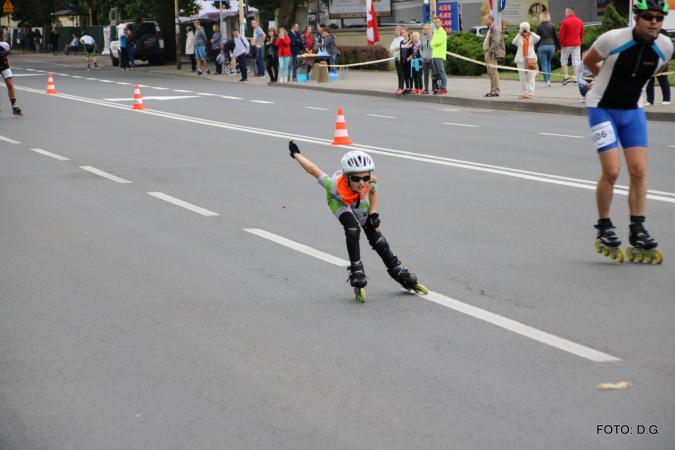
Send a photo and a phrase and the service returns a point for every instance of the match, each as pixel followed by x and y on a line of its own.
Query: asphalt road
pixel 127 321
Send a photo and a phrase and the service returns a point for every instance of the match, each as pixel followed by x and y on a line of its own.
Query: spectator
pixel 190 48
pixel 395 50
pixel 124 54
pixel 272 55
pixel 254 57
pixel 525 42
pixel 37 37
pixel 663 82
pixel 571 35
pixel 439 44
pixel 6 36
pixel 296 48
pixel 308 47
pixel 30 37
pixel 494 49
pixel 548 44
pixel 228 47
pixel 426 55
pixel 319 36
pixel 329 45
pixel 21 35
pixel 284 44
pixel 415 59
pixel 200 48
pixel 90 48
pixel 241 49
pixel 131 49
pixel 259 36
pixel 584 78
pixel 54 40
pixel 215 48
pixel 74 45
pixel 406 50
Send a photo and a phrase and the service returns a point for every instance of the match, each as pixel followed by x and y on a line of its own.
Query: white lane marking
pixel 161 89
pixel 76 76
pixel 206 93
pixel 142 86
pixel 672 146
pixel 312 107
pixel 518 173
pixel 93 79
pixel 53 155
pixel 31 70
pixel 377 115
pixel 27 75
pixel 231 98
pixel 180 90
pixel 299 247
pixel 495 319
pixel 106 81
pixel 64 74
pixel 461 125
pixel 169 97
pixel 190 206
pixel 562 135
pixel 260 101
pixel 104 174
pixel 11 141
pixel 120 82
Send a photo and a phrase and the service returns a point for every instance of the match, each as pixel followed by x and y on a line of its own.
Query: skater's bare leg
pixel 610 160
pixel 636 162
pixel 11 93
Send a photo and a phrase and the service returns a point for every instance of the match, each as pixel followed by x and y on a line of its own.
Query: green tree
pixel 36 12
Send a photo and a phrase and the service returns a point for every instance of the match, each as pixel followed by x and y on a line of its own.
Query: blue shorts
pixel 629 125
pixel 200 52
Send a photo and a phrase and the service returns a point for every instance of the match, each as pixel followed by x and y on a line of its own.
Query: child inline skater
pixel 352 196
pixel 6 72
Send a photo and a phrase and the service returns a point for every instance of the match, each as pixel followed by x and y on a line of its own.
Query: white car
pixel 149 43
pixel 479 31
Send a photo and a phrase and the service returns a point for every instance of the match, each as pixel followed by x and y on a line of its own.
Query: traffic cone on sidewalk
pixel 50 85
pixel 138 100
pixel 341 136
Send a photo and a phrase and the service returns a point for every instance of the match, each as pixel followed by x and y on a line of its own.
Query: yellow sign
pixel 8 7
pixel 517 12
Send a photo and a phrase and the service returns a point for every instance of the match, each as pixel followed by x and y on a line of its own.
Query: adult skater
pixel 352 196
pixel 6 72
pixel 616 114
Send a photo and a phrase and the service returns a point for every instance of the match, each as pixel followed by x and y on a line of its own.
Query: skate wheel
pixel 619 255
pixel 630 253
pixel 597 246
pixel 422 289
pixel 360 294
pixel 613 256
pixel 648 259
pixel 640 257
pixel 605 251
pixel 659 256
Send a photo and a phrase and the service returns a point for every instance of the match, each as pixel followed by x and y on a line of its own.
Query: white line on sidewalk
pixel 562 135
pixel 260 101
pixel 11 141
pixel 231 98
pixel 53 155
pixel 461 125
pixel 299 247
pixel 377 115
pixel 495 319
pixel 190 206
pixel 312 107
pixel 104 174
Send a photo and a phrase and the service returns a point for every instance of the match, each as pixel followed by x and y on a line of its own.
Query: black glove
pixel 293 148
pixel 373 220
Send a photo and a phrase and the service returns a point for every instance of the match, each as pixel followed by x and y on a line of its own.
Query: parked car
pixel 479 31
pixel 149 43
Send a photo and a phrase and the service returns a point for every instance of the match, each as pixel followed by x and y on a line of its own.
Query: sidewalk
pixel 462 91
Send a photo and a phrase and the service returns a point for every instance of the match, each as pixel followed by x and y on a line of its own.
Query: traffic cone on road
pixel 341 136
pixel 138 100
pixel 50 85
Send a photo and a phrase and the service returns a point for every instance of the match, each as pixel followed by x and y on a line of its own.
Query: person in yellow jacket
pixel 439 45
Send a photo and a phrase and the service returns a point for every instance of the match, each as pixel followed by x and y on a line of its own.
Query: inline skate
pixel 17 111
pixel 643 246
pixel 357 278
pixel 608 242
pixel 405 278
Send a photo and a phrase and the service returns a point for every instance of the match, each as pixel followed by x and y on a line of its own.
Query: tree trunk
pixel 287 11
pixel 167 23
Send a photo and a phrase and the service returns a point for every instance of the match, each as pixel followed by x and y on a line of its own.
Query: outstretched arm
pixel 306 164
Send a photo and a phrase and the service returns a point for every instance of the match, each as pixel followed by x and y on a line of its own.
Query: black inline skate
pixel 405 278
pixel 17 111
pixel 358 280
pixel 608 242
pixel 643 245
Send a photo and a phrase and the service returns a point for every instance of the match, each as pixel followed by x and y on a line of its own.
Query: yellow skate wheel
pixel 605 251
pixel 619 255
pixel 648 259
pixel 422 289
pixel 597 246
pixel 361 295
pixel 640 257
pixel 630 253
pixel 613 256
pixel 659 257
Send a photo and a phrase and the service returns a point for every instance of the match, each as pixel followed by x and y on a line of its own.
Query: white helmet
pixel 357 161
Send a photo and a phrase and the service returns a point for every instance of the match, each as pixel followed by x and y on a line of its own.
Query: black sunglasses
pixel 356 179
pixel 649 17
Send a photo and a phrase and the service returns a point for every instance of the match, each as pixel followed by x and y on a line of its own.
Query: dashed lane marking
pixel 121 82
pixel 190 206
pixel 161 88
pixel 464 308
pixel 168 97
pixel 180 90
pixel 562 135
pixel 377 115
pixel 104 174
pixel 206 93
pixel 260 101
pixel 231 98
pixel 461 125
pixel 106 81
pixel 76 76
pixel 319 109
pixel 50 154
pixel 11 141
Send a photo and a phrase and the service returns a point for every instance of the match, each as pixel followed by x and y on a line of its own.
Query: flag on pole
pixel 373 34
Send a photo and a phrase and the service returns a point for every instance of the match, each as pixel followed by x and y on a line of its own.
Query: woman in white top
pixel 395 50
pixel 190 48
pixel 525 42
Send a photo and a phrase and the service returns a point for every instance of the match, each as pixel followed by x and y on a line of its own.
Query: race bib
pixel 603 135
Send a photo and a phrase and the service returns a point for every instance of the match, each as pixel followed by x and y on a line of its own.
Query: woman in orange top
pixel 284 44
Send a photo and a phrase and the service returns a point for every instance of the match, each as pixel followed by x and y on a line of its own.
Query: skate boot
pixel 17 111
pixel 358 280
pixel 643 246
pixel 608 242
pixel 405 278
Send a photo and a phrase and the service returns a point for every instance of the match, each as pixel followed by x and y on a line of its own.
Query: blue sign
pixel 72 6
pixel 502 5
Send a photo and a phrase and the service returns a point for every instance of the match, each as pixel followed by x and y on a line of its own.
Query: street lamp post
pixel 177 12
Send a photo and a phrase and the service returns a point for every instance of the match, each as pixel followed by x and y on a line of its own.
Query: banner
pixel 517 12
pixel 344 9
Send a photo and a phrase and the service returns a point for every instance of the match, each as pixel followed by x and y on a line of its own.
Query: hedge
pixel 351 54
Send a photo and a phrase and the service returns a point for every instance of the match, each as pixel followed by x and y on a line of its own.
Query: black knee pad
pixel 378 242
pixel 352 232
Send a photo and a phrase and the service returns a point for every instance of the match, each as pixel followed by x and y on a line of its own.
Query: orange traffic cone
pixel 50 85
pixel 341 136
pixel 138 100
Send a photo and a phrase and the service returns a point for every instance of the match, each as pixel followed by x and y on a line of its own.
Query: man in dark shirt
pixel 228 48
pixel 296 46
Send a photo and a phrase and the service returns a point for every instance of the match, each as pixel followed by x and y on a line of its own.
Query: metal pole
pixel 177 14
